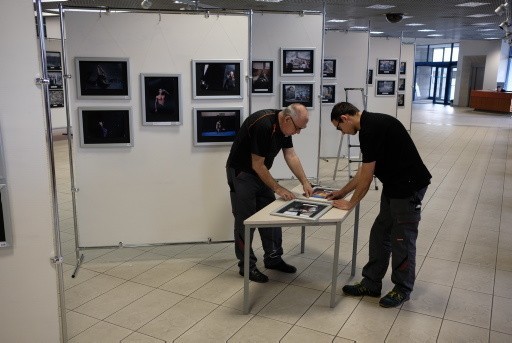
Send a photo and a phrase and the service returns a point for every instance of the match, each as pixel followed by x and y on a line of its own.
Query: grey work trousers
pixel 249 195
pixel 394 234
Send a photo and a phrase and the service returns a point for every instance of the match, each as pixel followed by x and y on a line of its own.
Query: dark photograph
pixel 369 77
pixel 401 84
pixel 386 67
pixel 297 61
pixel 57 98
pixel 160 99
pixel 217 79
pixel 262 77
pixel 105 127
pixel 216 126
pixel 303 209
pixel 102 78
pixel 403 66
pixel 53 60
pixel 329 68
pixel 400 100
pixel 55 79
pixel 301 93
pixel 328 94
pixel 385 87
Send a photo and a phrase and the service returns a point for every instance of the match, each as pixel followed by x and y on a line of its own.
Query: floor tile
pixel 101 332
pixel 298 334
pixel 457 332
pixel 502 315
pixel 428 298
pixel 260 329
pixel 503 284
pixel 192 279
pixel 221 288
pixel 140 338
pixel 260 294
pixel 438 271
pixel 163 272
pixel 469 307
pixel 475 278
pixel 77 322
pixel 90 289
pixel 414 327
pixel 498 337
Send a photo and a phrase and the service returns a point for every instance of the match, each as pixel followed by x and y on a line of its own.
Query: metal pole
pixel 249 67
pixel 398 72
pixel 57 259
pixel 320 95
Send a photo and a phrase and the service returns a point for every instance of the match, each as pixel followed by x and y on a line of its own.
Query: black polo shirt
pixel 398 164
pixel 261 135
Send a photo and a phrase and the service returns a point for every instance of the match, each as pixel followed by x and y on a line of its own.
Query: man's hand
pixel 343 204
pixel 308 190
pixel 284 193
pixel 334 196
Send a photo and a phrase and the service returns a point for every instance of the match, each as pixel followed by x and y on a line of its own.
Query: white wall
pixel 28 286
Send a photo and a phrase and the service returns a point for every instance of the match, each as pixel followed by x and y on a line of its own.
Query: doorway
pixel 435 82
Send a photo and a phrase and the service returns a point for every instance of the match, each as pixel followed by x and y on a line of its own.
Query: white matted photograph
pixel 303 209
pixel 297 61
pixel 385 88
pixel 328 94
pixel 329 68
pixel 262 77
pixel 386 66
pixel 297 92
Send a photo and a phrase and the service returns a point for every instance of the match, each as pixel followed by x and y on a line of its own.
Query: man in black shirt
pixel 262 135
pixel 390 154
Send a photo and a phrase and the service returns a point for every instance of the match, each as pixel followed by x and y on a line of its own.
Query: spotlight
pixel 505 26
pixel 146 4
pixel 501 9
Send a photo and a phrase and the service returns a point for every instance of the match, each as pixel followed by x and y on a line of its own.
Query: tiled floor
pixel 188 293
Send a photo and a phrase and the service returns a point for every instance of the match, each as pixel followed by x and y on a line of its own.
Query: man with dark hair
pixel 251 186
pixel 390 154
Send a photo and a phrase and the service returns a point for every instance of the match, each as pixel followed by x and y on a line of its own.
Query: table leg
pixel 302 239
pixel 354 244
pixel 335 264
pixel 247 246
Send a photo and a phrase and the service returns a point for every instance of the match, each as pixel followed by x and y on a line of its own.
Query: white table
pixel 263 218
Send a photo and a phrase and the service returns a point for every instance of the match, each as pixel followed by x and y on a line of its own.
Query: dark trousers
pixel 249 195
pixel 394 234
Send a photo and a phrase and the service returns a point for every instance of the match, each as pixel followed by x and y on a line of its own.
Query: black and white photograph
pixel 299 61
pixel 369 77
pixel 303 209
pixel 105 127
pixel 400 102
pixel 56 98
pixel 216 126
pixel 401 84
pixel 301 93
pixel 386 67
pixel 161 103
pixel 53 61
pixel 403 67
pixel 329 68
pixel 385 87
pixel 55 79
pixel 102 78
pixel 328 94
pixel 262 77
pixel 217 79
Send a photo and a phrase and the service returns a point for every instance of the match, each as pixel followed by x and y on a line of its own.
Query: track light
pixel 146 4
pixel 505 26
pixel 501 9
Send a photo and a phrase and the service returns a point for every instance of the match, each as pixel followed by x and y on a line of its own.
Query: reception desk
pixel 491 101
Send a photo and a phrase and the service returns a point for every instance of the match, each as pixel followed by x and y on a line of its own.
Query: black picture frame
pixel 401 84
pixel 400 100
pixel 217 79
pixel 386 66
pixel 102 78
pixel 328 94
pixel 102 127
pixel 403 68
pixel 55 77
pixel 297 61
pixel 385 88
pixel 297 92
pixel 53 61
pixel 161 99
pixel 57 98
pixel 216 126
pixel 262 77
pixel 302 209
pixel 329 68
pixel 369 77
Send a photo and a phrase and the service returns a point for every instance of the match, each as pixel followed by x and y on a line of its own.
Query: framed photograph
pixel 102 78
pixel 328 94
pixel 297 61
pixel 262 77
pixel 386 67
pixel 401 84
pixel 321 193
pixel 403 66
pixel 329 68
pixel 5 218
pixel 55 79
pixel 53 61
pixel 303 209
pixel 385 88
pixel 216 126
pixel 297 92
pixel 369 77
pixel 161 103
pixel 105 127
pixel 57 98
pixel 400 101
pixel 217 79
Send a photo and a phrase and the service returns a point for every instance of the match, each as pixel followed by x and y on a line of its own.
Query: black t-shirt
pixel 261 135
pixel 398 164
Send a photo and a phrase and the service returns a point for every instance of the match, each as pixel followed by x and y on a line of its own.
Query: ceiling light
pixel 408 17
pixel 359 27
pixel 501 9
pixel 426 30
pixel 414 24
pixel 435 35
pixel 376 32
pixel 482 24
pixel 380 7
pixel 472 4
pixel 480 15
pixel 336 20
pixel 269 0
pixel 504 25
pixel 486 29
pixel 146 4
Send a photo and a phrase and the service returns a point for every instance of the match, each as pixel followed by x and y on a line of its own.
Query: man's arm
pixel 293 162
pixel 258 165
pixel 360 183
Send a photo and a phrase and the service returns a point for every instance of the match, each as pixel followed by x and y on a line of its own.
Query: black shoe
pixel 358 290
pixel 283 267
pixel 393 299
pixel 255 275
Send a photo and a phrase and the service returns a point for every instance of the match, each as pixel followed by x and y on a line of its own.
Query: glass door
pixel 441 76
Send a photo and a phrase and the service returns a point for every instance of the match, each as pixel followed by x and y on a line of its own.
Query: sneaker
pixel 358 290
pixel 283 267
pixel 393 299
pixel 255 275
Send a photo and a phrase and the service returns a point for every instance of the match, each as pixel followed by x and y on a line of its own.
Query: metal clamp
pixel 57 259
pixel 42 81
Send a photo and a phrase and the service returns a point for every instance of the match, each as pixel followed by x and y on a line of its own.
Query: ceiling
pixel 450 21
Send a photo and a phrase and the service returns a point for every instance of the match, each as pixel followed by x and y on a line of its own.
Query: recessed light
pixel 481 15
pixel 482 24
pixel 380 7
pixel 426 30
pixel 376 32
pixel 336 20
pixel 414 24
pixel 359 27
pixel 435 35
pixel 492 38
pixel 407 17
pixel 269 0
pixel 472 4
pixel 486 29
